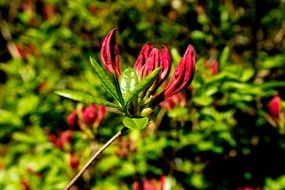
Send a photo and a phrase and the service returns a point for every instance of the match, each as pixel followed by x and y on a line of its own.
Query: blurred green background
pixel 220 135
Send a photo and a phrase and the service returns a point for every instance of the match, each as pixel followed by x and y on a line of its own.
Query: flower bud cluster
pixel 93 115
pixel 62 140
pixel 177 100
pixel 213 65
pixel 89 117
pixel 149 59
pixel 153 184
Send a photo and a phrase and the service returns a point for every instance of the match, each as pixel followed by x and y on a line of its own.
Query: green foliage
pixel 128 82
pixel 135 122
pixel 143 85
pixel 107 81
pixel 219 135
pixel 85 98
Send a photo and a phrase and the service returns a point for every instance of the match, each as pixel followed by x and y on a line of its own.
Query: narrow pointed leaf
pixel 85 98
pixel 106 79
pixel 128 81
pixel 118 89
pixel 144 84
pixel 224 56
pixel 135 122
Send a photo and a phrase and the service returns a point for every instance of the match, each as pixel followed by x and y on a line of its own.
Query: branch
pixel 91 160
pixel 8 37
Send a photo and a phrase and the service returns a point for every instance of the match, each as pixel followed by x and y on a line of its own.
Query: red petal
pixel 183 73
pixel 275 107
pixel 165 64
pixel 144 53
pixel 151 63
pixel 110 53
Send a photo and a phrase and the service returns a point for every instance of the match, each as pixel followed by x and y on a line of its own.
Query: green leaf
pixel 175 55
pixel 198 35
pixel 247 74
pixel 203 100
pixel 8 118
pixel 128 82
pixel 135 122
pixel 83 97
pixel 106 80
pixel 222 77
pixel 277 61
pixel 224 56
pixel 144 84
pixel 272 84
pixel 179 113
pixel 108 163
pixel 28 105
pixel 24 138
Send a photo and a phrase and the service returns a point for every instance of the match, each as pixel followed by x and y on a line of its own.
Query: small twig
pixel 91 160
pixel 11 46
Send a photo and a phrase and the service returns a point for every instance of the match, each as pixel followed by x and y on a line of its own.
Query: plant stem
pixel 92 159
pixel 11 46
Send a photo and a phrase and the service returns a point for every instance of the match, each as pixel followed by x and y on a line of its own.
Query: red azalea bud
pixel 149 184
pixel 149 59
pixel 146 49
pixel 183 73
pixel 151 63
pixel 52 138
pixel 247 188
pixel 48 11
pixel 73 161
pixel 165 63
pixel 163 183
pixel 110 53
pixel 177 100
pixel 92 9
pixel 65 137
pixel 215 67
pixel 168 104
pixel 72 119
pixel 275 107
pixel 136 186
pixel 25 184
pixel 90 114
pixel 101 114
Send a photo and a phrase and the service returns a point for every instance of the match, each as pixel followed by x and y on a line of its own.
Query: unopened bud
pixel 183 73
pixel 73 161
pixel 110 53
pixel 275 107
pixel 146 112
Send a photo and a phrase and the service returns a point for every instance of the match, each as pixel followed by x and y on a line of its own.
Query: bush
pixel 226 131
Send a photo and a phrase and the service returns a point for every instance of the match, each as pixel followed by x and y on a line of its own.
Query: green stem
pixel 93 158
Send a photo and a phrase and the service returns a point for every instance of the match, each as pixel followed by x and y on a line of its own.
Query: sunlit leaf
pixel 144 84
pixel 27 104
pixel 106 79
pixel 198 35
pixel 277 61
pixel 135 122
pixel 247 74
pixel 203 100
pixel 224 56
pixel 272 84
pixel 128 81
pixel 85 98
pixel 9 118
pixel 180 113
